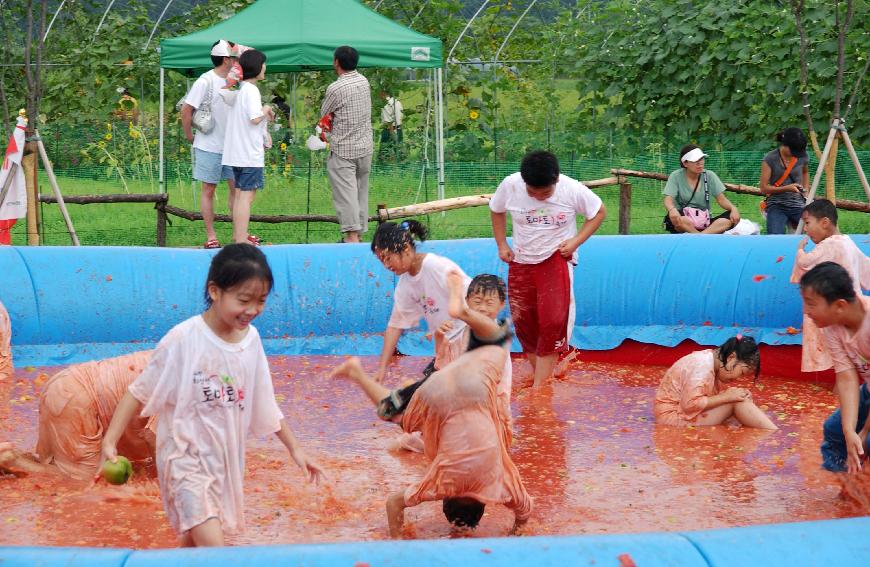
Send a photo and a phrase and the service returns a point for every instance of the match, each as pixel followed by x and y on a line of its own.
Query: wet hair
pixel 539 169
pixel 463 512
pixel 218 60
pixel 392 237
pixel 822 209
pixel 251 63
pixel 485 284
pixel 831 281
pixel 746 350
pixel 684 150
pixel 347 57
pixel 236 264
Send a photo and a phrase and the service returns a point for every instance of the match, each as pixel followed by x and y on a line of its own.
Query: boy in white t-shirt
pixel 243 144
pixel 208 147
pixel 543 206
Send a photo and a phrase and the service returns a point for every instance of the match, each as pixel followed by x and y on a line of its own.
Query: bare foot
pixel 350 368
pixel 456 305
pixel 562 367
pixel 8 454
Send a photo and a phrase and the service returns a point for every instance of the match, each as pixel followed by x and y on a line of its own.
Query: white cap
pixel 222 49
pixel 693 156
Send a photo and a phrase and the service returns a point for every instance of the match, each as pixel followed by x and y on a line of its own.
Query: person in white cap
pixel 687 197
pixel 208 147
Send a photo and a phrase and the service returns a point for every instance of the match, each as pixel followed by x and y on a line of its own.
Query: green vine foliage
pixel 694 67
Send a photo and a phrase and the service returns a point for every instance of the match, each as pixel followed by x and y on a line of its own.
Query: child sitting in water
pixel 694 390
pixel 844 318
pixel 820 224
pixel 209 384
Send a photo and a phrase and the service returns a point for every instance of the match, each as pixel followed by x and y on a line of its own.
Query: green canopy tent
pixel 301 35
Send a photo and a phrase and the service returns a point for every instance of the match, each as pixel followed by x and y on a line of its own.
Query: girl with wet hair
pixel 421 292
pixel 696 391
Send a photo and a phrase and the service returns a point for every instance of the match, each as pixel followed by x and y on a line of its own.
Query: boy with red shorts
pixel 543 205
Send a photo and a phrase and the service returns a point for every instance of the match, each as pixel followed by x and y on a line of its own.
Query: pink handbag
pixel 700 217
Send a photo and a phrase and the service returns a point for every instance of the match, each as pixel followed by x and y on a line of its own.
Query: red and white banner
pixel 14 206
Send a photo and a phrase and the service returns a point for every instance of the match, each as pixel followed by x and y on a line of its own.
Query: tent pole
pixel 160 144
pixel 439 129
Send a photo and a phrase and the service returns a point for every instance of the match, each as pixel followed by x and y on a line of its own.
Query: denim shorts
pixel 248 178
pixel 834 453
pixel 207 167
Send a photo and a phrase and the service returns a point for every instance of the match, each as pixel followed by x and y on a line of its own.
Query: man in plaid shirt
pixel 351 143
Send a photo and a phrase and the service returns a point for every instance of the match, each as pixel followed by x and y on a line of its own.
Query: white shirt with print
pixel 540 226
pixel 425 296
pixel 208 395
pixel 243 144
pixel 214 140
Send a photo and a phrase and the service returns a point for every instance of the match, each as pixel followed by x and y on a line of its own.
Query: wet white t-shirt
pixel 214 140
pixel 208 395
pixel 425 296
pixel 540 226
pixel 243 144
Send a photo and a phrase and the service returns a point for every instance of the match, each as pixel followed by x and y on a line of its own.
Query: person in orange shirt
pixel 843 316
pixel 75 407
pixel 465 436
pixel 694 391
pixel 820 224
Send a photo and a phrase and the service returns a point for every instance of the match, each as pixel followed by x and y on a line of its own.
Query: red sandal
pixel 212 244
pixel 255 240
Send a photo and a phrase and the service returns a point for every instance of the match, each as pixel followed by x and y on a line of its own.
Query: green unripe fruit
pixel 119 472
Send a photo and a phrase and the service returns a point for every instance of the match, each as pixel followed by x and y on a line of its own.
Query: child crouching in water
pixel 844 319
pixel 209 384
pixel 694 390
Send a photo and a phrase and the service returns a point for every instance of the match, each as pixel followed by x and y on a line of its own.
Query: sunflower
pixel 108 136
pixel 283 147
pixel 474 115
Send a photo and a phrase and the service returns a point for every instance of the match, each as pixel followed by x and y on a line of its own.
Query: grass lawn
pixel 135 224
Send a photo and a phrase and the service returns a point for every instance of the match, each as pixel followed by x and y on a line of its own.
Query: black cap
pixel 795 140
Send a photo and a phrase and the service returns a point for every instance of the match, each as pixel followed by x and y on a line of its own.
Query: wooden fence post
pixel 29 166
pixel 624 205
pixel 161 221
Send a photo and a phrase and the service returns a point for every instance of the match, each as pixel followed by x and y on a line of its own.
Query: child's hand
pixel 312 471
pixel 568 247
pixel 443 329
pixel 109 453
pixel 270 114
pixel 855 452
pixel 505 253
pixel 738 394
pixel 803 243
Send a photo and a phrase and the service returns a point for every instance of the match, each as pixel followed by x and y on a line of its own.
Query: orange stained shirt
pixel 466 435
pixel 684 390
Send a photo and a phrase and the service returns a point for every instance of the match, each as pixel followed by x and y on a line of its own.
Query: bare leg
pixel 685 225
pixel 544 366
pixel 15 461
pixel 231 195
pixel 351 368
pixel 207 534
pixel 396 513
pixel 351 236
pixel 750 415
pixel 718 226
pixel 206 205
pixel 241 215
pixel 715 416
